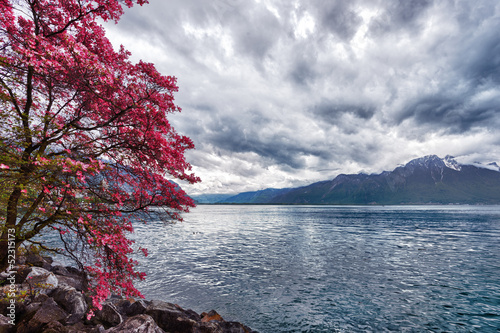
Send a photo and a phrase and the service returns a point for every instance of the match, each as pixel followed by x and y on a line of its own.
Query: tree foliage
pixel 85 141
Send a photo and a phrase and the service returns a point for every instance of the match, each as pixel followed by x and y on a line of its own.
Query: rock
pixel 59 270
pixel 82 328
pixel 67 276
pixel 4 275
pixel 19 272
pixel 71 281
pixel 5 326
pixel 234 327
pixel 32 308
pixel 41 298
pixel 171 317
pixel 139 324
pixel 72 301
pixel 9 311
pixel 20 260
pixel 109 315
pixel 129 307
pixel 54 327
pixel 192 315
pixel 56 303
pixel 123 307
pixel 48 260
pixel 138 307
pixel 34 260
pixel 47 313
pixel 73 271
pixel 212 315
pixel 37 260
pixel 41 280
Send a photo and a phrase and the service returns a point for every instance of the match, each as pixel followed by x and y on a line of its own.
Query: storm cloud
pixel 281 93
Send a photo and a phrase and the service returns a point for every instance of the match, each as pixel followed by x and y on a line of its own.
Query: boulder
pixel 123 307
pixel 212 315
pixel 48 259
pixel 47 313
pixel 72 301
pixel 109 315
pixel 37 260
pixel 41 280
pixel 54 327
pixel 56 303
pixel 70 281
pixel 33 259
pixel 82 328
pixel 137 307
pixel 130 307
pixel 171 317
pixel 139 324
pixel 59 270
pixel 19 272
pixel 5 326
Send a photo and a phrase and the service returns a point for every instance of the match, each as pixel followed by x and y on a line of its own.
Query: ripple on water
pixel 327 268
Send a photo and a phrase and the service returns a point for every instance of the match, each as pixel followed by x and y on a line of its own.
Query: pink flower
pixel 3 166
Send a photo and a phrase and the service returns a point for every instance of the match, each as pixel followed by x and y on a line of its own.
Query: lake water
pixel 331 268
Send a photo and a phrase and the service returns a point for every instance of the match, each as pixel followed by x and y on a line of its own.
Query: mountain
pixel 210 198
pixel 424 180
pixel 262 196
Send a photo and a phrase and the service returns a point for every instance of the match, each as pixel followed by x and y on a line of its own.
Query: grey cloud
pixel 473 13
pixel 255 31
pixel 233 136
pixel 340 20
pixel 467 96
pixel 399 14
pixel 302 64
pixel 404 11
pixel 303 73
pixel 480 59
pixel 452 113
pixel 330 110
pixel 424 66
pixel 336 17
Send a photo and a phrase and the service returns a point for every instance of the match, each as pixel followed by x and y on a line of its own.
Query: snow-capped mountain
pixel 424 180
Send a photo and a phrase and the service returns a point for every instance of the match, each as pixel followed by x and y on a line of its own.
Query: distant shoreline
pixel 341 205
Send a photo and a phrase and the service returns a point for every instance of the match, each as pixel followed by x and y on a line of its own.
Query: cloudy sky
pixel 281 93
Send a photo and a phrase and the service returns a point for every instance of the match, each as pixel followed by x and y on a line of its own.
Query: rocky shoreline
pixel 49 299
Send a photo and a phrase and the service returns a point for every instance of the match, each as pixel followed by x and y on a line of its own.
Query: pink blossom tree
pixel 85 146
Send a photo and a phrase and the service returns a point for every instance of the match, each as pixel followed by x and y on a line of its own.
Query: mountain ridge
pixel 424 180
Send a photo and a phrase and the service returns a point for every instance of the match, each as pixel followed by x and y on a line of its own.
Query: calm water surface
pixel 331 268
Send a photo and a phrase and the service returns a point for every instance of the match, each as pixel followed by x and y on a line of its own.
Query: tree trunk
pixel 9 231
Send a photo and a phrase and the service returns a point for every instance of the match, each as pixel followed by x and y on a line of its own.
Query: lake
pixel 331 268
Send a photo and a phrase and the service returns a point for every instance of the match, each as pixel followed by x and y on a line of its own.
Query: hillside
pixel 426 180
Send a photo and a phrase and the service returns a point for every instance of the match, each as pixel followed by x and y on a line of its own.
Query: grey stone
pixel 109 315
pixel 138 307
pixel 41 280
pixel 70 281
pixel 48 312
pixel 54 327
pixel 5 325
pixel 59 270
pixel 139 324
pixel 35 260
pixel 171 317
pixel 72 301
